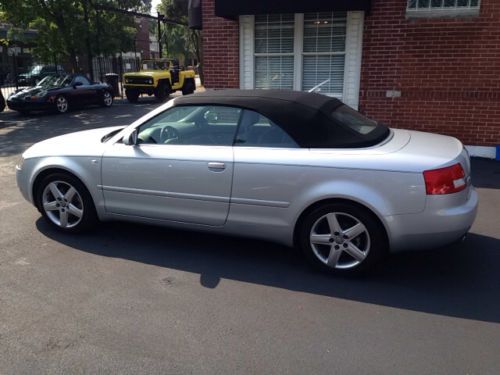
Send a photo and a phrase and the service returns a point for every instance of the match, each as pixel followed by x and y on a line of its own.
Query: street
pixel 134 299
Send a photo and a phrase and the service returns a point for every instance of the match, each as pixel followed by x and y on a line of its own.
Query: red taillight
pixel 445 180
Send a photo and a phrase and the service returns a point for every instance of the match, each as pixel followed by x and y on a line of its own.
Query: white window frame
pixel 353 54
pixel 337 53
pixel 442 11
pixel 277 54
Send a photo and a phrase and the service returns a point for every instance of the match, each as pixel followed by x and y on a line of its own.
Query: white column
pixel 353 52
pixel 247 40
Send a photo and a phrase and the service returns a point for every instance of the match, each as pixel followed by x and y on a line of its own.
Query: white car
pixel 301 169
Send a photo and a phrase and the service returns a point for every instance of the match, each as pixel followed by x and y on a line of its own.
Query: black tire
pixel 60 107
pixel 188 87
pixel 132 95
pixel 162 91
pixel 106 99
pixel 65 203
pixel 369 245
pixel 2 102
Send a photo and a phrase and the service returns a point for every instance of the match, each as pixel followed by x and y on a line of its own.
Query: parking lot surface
pixel 133 299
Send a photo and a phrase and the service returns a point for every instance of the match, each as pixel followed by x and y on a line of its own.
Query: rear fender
pixel 373 196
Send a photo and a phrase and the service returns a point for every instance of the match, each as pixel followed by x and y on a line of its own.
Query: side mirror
pixel 76 84
pixel 130 139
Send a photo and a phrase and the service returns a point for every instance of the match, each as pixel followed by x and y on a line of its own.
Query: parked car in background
pixel 160 78
pixel 60 94
pixel 37 73
pixel 297 168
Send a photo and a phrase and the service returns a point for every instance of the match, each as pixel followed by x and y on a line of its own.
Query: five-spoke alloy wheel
pixel 342 238
pixel 65 203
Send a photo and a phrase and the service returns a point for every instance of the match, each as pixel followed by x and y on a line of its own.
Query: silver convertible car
pixel 300 169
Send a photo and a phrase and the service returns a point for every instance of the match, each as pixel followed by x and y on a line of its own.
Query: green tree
pixel 180 41
pixel 72 28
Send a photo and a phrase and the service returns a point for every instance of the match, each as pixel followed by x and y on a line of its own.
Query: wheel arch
pixel 44 172
pixel 166 80
pixel 312 206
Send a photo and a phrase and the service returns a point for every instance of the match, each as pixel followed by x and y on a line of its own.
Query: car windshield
pixel 154 65
pixel 36 69
pixel 55 81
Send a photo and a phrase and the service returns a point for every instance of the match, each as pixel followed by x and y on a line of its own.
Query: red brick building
pixel 431 65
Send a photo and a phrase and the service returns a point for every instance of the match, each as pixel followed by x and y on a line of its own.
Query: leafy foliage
pixel 179 41
pixel 71 28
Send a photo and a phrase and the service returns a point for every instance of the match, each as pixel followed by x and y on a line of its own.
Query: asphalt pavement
pixel 133 299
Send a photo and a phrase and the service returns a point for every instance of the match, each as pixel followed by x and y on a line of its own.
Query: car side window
pixel 257 130
pixel 82 80
pixel 192 125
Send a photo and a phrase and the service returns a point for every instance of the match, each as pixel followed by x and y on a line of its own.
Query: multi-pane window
pixel 451 7
pixel 324 52
pixel 274 39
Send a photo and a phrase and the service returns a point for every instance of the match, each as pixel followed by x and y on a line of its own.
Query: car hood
pixel 83 143
pixel 144 73
pixel 32 91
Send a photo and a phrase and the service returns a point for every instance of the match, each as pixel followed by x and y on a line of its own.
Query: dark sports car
pixel 60 94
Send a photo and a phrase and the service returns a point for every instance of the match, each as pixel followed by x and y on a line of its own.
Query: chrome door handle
pixel 216 165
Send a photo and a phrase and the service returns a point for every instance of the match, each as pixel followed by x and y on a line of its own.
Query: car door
pixel 83 91
pixel 268 172
pixel 180 170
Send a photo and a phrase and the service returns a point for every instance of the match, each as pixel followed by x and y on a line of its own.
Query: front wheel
pixel 342 238
pixel 65 203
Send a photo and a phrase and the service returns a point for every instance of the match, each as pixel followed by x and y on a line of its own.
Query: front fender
pixel 86 168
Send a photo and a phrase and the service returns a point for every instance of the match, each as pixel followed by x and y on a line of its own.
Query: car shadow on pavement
pixel 459 281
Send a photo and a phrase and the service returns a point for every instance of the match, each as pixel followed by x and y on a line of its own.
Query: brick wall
pixel 447 69
pixel 220 49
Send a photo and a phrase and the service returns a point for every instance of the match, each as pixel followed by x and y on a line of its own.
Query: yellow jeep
pixel 158 77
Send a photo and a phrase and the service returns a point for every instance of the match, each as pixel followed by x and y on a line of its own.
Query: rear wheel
pixel 132 95
pixel 65 203
pixel 188 87
pixel 107 99
pixel 62 104
pixel 342 238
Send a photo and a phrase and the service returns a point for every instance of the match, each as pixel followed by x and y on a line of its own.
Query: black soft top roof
pixel 305 116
